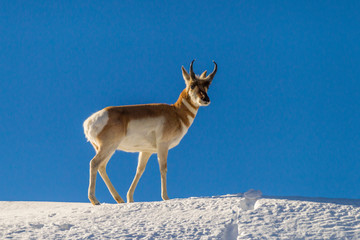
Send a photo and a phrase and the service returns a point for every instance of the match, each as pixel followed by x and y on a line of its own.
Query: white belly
pixel 144 136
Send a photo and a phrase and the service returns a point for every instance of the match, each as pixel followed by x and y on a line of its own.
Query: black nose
pixel 206 99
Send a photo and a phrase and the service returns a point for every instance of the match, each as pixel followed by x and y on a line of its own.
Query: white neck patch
pixel 188 106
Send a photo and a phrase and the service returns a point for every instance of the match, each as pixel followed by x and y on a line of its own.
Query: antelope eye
pixel 192 86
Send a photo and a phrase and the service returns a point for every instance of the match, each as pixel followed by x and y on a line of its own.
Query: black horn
pixel 211 75
pixel 192 74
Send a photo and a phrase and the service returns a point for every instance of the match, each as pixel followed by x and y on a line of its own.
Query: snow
pixel 237 216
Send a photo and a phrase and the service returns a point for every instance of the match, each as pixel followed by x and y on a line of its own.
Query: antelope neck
pixel 189 106
pixel 185 103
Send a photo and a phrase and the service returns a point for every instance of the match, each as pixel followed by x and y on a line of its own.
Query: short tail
pixel 94 124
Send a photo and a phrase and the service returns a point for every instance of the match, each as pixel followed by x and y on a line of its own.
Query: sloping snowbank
pixel 222 217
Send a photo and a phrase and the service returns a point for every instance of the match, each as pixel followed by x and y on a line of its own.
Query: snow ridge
pixel 220 217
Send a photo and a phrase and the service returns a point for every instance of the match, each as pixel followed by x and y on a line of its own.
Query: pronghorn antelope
pixel 147 129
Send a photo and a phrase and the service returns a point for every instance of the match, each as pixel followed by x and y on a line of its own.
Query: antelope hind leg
pixel 143 159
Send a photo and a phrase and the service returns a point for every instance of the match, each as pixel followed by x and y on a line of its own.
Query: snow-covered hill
pixel 221 217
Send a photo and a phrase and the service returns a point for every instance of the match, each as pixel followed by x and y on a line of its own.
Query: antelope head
pixel 197 86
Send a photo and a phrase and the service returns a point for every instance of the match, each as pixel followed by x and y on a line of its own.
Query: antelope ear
pixel 203 75
pixel 185 75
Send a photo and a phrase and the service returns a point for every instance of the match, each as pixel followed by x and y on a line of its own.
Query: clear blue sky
pixel 285 111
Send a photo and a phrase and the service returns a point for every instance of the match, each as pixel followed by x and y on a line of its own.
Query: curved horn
pixel 192 74
pixel 211 75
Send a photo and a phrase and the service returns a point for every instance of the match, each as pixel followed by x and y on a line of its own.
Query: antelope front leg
pixel 162 158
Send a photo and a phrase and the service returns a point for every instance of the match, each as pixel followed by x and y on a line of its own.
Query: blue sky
pixel 284 116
